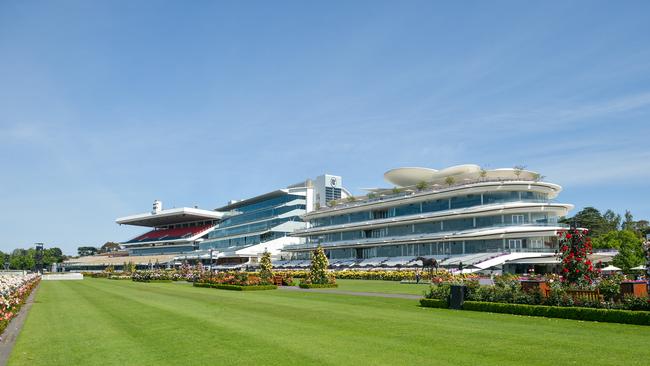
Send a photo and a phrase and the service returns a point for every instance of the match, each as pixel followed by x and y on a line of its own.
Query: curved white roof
pixel 407 175
pixel 411 176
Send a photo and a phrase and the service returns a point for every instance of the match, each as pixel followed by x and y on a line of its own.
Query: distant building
pixel 481 218
pixel 234 235
pixel 176 230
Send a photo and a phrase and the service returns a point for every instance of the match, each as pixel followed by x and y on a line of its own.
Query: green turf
pixel 101 322
pixel 388 287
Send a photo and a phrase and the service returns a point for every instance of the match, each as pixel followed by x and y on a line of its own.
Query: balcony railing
pixel 412 191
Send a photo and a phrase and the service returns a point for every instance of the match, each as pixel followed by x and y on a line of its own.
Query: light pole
pixel 39 258
pixel 211 256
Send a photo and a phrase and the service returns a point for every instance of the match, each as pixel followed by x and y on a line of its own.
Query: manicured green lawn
pixel 103 322
pixel 388 287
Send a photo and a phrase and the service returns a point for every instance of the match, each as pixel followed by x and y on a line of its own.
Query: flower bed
pixel 240 281
pixel 385 275
pixel 14 290
pixel 235 287
pixel 317 285
pixel 507 289
pixel 119 277
pixel 153 276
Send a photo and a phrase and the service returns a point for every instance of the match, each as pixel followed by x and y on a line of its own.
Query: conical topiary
pixel 318 269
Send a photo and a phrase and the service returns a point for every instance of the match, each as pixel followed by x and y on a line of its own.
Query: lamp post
pixel 211 259
pixel 39 258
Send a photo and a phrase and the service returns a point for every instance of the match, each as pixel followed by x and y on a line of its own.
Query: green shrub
pixel 576 313
pixel 317 285
pixel 439 292
pixel 434 303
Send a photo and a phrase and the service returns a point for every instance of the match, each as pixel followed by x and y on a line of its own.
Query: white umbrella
pixel 610 268
pixel 641 267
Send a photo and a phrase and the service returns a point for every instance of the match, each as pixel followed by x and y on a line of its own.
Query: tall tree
pixel 589 218
pixel 629 223
pixel 109 247
pixel 612 220
pixel 630 251
pixel 86 251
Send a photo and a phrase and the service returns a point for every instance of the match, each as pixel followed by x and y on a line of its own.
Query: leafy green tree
pixel 630 250
pixel 22 259
pixel 318 270
pixel 629 223
pixel 589 218
pixel 109 247
pixel 612 220
pixel 86 251
pixel 266 268
pixel 422 185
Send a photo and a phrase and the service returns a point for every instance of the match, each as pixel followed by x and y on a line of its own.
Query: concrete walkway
pixel 353 293
pixel 10 334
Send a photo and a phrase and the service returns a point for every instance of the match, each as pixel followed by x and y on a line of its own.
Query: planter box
pixel 638 289
pixel 535 286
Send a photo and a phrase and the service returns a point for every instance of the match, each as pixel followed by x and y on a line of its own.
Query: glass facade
pixel 256 223
pixel 442 226
pixel 432 237
pixel 440 248
pixel 457 202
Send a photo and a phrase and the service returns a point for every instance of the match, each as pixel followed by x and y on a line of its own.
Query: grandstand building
pixel 173 231
pixel 264 223
pixel 464 216
pixel 234 235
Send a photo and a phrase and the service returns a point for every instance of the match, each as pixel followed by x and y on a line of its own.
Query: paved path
pixel 10 334
pixel 353 293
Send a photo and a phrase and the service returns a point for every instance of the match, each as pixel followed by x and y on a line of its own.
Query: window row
pixel 457 202
pixel 260 215
pixel 452 225
pixel 441 248
pixel 250 228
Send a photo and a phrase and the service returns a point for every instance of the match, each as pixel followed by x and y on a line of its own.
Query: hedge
pixel 236 287
pixel 318 285
pixel 434 303
pixel 155 281
pixel 576 313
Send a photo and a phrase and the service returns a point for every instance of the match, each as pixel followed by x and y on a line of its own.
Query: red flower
pixel 568 236
pixel 565 270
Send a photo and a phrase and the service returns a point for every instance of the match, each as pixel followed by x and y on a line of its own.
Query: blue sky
pixel 108 105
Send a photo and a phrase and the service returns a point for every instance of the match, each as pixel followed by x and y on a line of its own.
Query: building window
pixel 517 219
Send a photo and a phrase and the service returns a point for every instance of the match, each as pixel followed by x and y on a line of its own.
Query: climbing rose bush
pixel 577 269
